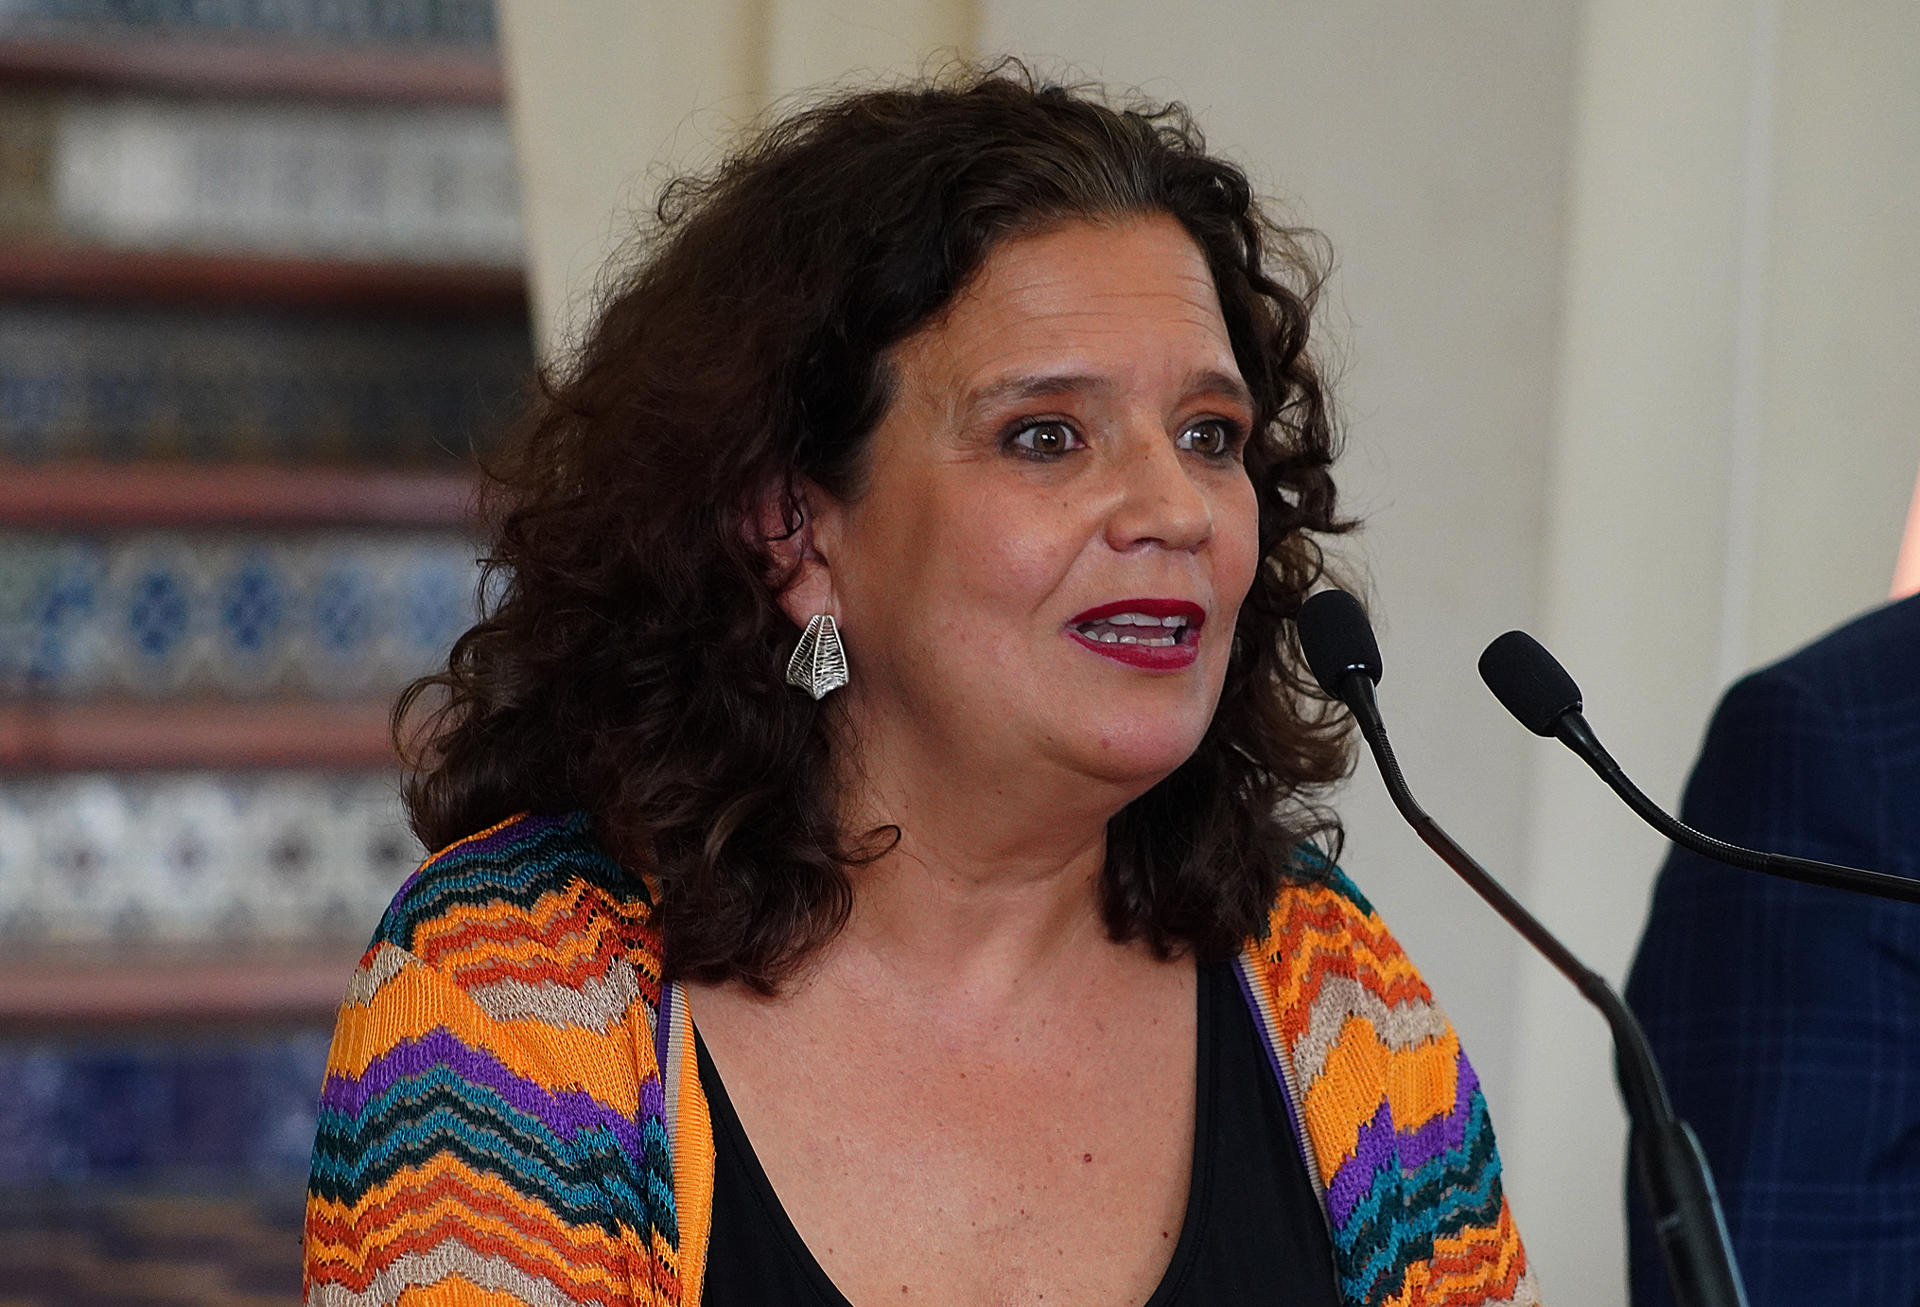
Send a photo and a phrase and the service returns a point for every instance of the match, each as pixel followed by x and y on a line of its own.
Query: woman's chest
pixel 1054 1169
pixel 1030 1187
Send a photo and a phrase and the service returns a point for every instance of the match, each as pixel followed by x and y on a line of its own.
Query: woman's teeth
pixel 1124 628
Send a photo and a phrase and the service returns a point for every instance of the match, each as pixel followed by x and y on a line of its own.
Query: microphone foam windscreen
pixel 1337 640
pixel 1529 681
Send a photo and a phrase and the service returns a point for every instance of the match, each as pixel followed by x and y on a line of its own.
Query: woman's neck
pixel 940 918
pixel 992 885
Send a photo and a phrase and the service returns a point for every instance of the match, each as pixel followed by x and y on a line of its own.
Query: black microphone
pixel 1340 651
pixel 1535 688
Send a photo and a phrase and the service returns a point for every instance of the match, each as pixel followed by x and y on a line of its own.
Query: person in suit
pixel 1786 1017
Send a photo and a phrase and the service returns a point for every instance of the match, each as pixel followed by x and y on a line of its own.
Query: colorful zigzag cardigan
pixel 512 1113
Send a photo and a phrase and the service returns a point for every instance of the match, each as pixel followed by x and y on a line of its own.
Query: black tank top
pixel 1253 1231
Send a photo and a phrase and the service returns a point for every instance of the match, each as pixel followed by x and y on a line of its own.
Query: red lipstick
pixel 1137 632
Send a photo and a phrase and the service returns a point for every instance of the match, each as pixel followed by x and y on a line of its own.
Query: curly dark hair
pixel 630 660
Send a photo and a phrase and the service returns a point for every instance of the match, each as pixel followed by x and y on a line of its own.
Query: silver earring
pixel 819 663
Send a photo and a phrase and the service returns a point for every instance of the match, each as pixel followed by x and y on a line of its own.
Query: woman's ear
pixel 789 522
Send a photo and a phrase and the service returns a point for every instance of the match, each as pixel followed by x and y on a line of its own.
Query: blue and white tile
pixel 336 615
pixel 85 890
pixel 20 888
pixel 157 620
pixel 252 597
pixel 187 853
pixel 180 858
pixel 51 630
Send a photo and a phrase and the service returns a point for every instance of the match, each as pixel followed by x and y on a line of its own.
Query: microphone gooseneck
pixel 1532 685
pixel 1339 647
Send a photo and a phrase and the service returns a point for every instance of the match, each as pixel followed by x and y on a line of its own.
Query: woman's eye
pixel 1043 439
pixel 1215 437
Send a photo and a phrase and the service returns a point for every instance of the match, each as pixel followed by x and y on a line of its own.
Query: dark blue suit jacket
pixel 1786 1018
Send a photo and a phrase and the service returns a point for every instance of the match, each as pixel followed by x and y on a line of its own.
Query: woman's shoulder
pixel 532 918
pixel 1397 1129
pixel 1322 926
pixel 485 1076
pixel 1317 888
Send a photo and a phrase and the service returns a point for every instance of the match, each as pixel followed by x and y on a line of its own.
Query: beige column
pixel 605 98
pixel 608 98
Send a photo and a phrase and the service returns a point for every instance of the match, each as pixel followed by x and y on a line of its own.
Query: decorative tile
pixel 82 855
pixel 413 182
pixel 182 860
pixel 49 597
pixel 123 381
pixel 158 617
pixel 214 1244
pixel 19 866
pixel 187 858
pixel 340 615
pixel 402 23
pixel 102 1107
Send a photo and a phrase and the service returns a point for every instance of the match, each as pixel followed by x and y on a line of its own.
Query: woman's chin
pixel 1136 756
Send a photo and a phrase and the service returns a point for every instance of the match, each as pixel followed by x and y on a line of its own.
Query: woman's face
pixel 1056 532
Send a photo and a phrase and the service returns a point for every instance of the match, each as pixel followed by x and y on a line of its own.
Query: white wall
pixel 1626 304
pixel 1840 391
pixel 1654 352
pixel 1733 450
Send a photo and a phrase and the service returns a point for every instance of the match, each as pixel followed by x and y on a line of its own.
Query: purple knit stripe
pixel 1373 1152
pixel 653 1101
pixel 663 1034
pixel 1446 1131
pixel 1378 1146
pixel 564 1112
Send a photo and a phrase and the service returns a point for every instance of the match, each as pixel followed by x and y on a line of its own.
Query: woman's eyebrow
pixel 1227 385
pixel 1033 385
pixel 1040 385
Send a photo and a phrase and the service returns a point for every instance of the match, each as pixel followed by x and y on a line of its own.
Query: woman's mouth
pixel 1157 634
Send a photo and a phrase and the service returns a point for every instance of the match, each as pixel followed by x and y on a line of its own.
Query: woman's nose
pixel 1159 502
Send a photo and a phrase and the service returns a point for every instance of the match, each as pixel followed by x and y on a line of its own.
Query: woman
pixel 892 780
